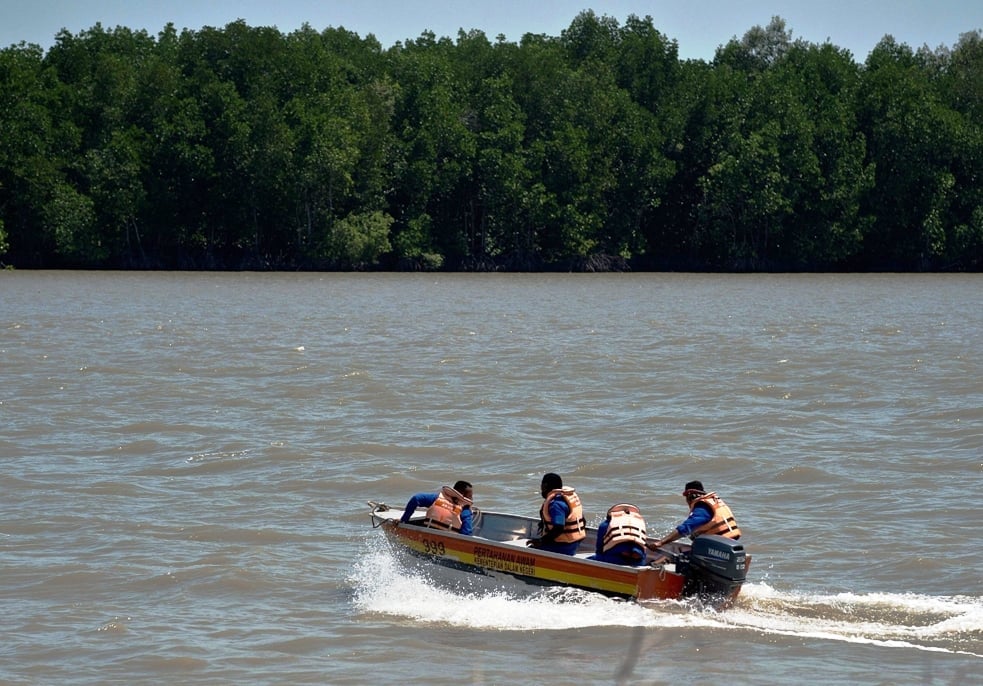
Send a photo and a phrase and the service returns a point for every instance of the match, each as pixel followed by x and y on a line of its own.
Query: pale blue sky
pixel 698 26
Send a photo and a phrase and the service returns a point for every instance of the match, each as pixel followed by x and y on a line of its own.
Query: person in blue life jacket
pixel 621 537
pixel 561 518
pixel 708 514
pixel 449 508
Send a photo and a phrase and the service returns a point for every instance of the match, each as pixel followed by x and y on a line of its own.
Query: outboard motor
pixel 715 566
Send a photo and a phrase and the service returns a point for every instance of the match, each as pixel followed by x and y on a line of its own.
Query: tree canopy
pixel 247 148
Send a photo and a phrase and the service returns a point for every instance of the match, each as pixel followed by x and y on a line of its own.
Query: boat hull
pixel 535 567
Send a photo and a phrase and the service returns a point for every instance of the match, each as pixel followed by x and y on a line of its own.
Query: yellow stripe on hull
pixel 643 583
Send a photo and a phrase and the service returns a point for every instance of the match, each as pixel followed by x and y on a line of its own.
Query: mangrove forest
pixel 599 149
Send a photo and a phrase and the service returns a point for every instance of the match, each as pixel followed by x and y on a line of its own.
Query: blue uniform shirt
pixel 426 500
pixel 698 516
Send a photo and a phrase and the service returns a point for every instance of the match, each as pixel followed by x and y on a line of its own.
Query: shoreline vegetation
pixel 244 148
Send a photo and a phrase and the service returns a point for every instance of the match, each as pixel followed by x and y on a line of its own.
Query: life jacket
pixel 445 512
pixel 722 523
pixel 575 528
pixel 625 525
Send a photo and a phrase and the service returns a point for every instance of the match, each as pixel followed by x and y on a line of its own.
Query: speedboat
pixel 709 568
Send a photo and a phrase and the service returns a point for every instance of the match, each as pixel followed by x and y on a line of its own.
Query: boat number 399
pixel 433 547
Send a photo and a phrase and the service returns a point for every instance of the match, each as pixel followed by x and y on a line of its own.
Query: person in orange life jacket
pixel 448 509
pixel 621 537
pixel 561 519
pixel 708 514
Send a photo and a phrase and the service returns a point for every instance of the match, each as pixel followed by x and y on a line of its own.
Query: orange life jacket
pixel 625 524
pixel 575 528
pixel 445 512
pixel 722 523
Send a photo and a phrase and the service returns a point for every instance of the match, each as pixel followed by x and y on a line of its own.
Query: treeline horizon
pixel 599 149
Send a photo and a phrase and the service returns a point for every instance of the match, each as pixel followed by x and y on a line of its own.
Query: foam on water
pixel 939 623
pixel 923 622
pixel 383 586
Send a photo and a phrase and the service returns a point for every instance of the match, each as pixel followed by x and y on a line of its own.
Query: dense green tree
pixel 828 225
pixel 919 148
pixel 433 122
pixel 591 38
pixel 786 180
pixel 697 109
pixel 47 221
pixel 358 240
pixel 243 147
pixel 959 83
pixel 503 177
pixel 647 64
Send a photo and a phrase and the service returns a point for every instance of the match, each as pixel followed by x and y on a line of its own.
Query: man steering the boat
pixel 561 518
pixel 708 514
pixel 448 509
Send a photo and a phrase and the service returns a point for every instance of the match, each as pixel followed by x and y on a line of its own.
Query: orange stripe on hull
pixel 642 583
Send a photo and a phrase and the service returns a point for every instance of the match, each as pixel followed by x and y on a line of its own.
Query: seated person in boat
pixel 561 518
pixel 621 537
pixel 708 514
pixel 448 509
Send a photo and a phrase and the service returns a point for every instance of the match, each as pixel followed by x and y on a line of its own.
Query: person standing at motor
pixel 708 514
pixel 448 509
pixel 561 518
pixel 621 537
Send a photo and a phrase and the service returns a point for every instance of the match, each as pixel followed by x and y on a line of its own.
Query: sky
pixel 698 26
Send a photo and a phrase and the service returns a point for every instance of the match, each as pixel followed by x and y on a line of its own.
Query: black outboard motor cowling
pixel 714 566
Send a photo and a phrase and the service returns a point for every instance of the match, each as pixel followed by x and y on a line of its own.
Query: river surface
pixel 186 460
